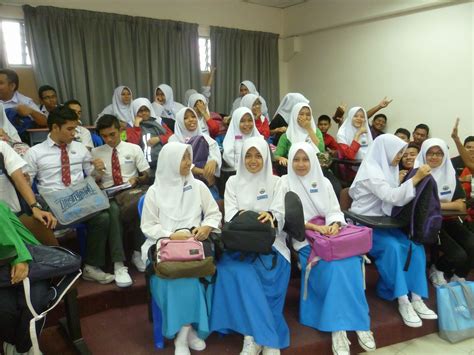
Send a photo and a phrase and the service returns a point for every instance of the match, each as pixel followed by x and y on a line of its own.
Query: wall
pixel 423 60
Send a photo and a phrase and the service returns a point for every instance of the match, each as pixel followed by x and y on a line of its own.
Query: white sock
pixel 415 297
pixel 403 299
pixel 118 265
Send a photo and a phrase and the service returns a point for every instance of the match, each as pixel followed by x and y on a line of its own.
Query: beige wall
pixel 424 61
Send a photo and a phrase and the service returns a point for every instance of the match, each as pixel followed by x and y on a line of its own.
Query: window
pixel 15 42
pixel 205 53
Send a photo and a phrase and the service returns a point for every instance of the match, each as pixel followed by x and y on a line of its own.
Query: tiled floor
pixel 430 345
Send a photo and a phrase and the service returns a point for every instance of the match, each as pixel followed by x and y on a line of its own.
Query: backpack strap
pixel 408 259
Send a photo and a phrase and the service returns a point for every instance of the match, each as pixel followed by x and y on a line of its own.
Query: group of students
pixel 179 146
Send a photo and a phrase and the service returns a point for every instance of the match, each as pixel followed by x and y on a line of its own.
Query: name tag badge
pixel 445 192
pixel 314 188
pixel 73 152
pixel 238 137
pixel 128 161
pixel 262 197
pixel 313 191
pixel 187 188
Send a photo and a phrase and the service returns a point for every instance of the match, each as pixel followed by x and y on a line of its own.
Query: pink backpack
pixel 180 250
pixel 352 240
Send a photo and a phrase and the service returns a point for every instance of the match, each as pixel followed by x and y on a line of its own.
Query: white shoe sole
pixel 427 316
pixel 124 284
pixel 102 282
pixel 197 348
pixel 365 347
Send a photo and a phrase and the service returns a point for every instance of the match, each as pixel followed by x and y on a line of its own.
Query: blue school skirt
pixel 336 297
pixel 390 250
pixel 249 298
pixel 182 301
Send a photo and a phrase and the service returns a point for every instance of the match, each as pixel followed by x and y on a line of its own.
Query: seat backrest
pixel 345 200
pixel 140 205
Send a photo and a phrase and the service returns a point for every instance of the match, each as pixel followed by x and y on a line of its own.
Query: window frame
pixel 24 44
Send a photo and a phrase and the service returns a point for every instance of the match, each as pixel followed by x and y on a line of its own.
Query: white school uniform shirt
pixel 44 110
pixel 18 99
pixel 175 201
pixel 6 125
pixel 12 162
pixel 44 164
pixel 131 158
pixel 376 189
pixel 315 191
pixel 84 136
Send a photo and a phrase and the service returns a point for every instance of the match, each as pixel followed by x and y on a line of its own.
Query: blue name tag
pixel 445 192
pixel 262 197
pixel 313 190
pixel 128 161
pixel 187 188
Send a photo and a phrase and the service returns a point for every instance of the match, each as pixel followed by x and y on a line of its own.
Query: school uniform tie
pixel 116 172
pixel 65 166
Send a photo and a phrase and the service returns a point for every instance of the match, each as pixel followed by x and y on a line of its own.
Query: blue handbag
pixel 456 311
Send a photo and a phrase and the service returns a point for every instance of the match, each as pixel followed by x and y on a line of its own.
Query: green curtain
pixel 85 54
pixel 244 55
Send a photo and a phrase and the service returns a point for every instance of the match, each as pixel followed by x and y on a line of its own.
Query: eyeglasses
pixel 435 154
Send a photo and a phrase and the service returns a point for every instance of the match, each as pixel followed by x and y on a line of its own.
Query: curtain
pixel 85 55
pixel 244 55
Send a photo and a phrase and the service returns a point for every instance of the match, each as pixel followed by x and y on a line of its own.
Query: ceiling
pixel 281 4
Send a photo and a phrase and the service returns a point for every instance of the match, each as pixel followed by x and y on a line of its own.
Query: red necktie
pixel 116 172
pixel 65 166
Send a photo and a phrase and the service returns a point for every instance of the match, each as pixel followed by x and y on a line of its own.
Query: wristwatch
pixel 37 205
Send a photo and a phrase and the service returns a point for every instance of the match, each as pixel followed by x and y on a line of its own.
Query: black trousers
pixel 15 316
pixel 457 245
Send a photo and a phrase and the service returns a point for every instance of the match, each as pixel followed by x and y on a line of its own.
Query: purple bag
pixel 352 240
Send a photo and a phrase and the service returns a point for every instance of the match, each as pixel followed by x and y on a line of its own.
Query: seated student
pixel 245 87
pixel 82 133
pixel 164 97
pixel 149 131
pixel 461 171
pixel 205 89
pixel 187 127
pixel 120 106
pixel 324 124
pixel 8 133
pixel 378 125
pixel 257 105
pixel 40 223
pixel 421 133
pixel 403 134
pixel 375 190
pixel 116 163
pixel 408 159
pixel 22 112
pixel 466 156
pixel 48 98
pixel 14 314
pixel 457 242
pixel 207 124
pixel 336 299
pixel 280 120
pixel 177 201
pixel 354 137
pixel 249 294
pixel 59 162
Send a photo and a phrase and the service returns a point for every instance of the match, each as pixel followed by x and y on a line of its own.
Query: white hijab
pixel 347 131
pixel 377 164
pixel 295 132
pixel 287 103
pixel 248 101
pixel 178 197
pixel 255 191
pixel 234 138
pixel 182 134
pixel 6 125
pixel 191 102
pixel 120 110
pixel 170 107
pixel 445 175
pixel 188 94
pixel 142 101
pixel 252 90
pixel 313 189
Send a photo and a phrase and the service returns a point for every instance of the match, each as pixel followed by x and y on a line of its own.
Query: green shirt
pixel 284 145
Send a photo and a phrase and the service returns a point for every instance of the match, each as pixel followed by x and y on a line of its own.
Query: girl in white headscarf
pixel 281 119
pixel 177 201
pixel 354 135
pixel 336 300
pixel 186 128
pixel 199 103
pixel 249 295
pixel 7 131
pixel 258 106
pixel 375 191
pixel 242 127
pixel 457 242
pixel 120 106
pixel 164 96
pixel 245 87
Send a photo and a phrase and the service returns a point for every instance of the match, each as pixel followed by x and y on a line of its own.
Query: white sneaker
pixel 436 276
pixel 250 346
pixel 422 310
pixel 366 340
pixel 270 351
pixel 92 273
pixel 340 343
pixel 181 346
pixel 138 262
pixel 410 317
pixel 456 278
pixel 9 349
pixel 122 278
pixel 194 342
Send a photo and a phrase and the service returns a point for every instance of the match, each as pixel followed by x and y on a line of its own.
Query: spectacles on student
pixel 435 154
